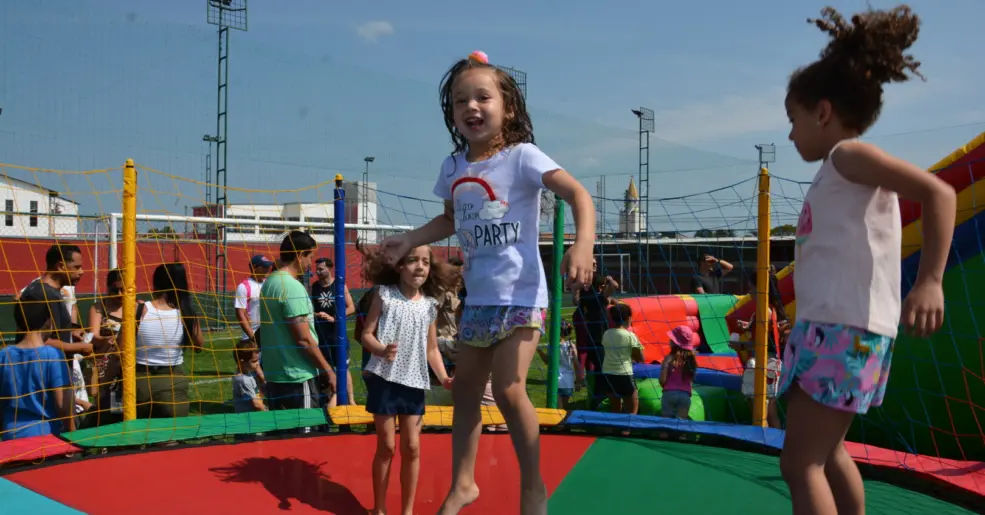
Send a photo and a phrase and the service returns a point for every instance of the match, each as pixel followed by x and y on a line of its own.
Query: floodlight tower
pixel 646 127
pixel 225 14
pixel 767 155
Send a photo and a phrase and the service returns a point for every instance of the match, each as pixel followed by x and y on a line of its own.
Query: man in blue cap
pixel 247 301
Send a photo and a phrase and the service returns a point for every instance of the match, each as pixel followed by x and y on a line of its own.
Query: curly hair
pixel 685 360
pixel 378 271
pixel 517 128
pixel 861 56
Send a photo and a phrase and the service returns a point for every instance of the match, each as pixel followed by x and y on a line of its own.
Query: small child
pixel 401 334
pixel 677 373
pixel 249 380
pixel 622 348
pixel 36 395
pixel 568 380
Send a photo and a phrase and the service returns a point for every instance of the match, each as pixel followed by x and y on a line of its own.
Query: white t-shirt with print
pixel 248 298
pixel 497 220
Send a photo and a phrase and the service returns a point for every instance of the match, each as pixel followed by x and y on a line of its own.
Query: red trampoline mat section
pixel 302 475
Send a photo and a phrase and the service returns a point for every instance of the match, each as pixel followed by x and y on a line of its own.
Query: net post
pixel 341 336
pixel 762 298
pixel 554 345
pixel 129 328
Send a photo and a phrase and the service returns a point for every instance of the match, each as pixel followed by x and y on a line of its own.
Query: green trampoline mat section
pixel 622 475
pixel 158 430
pixel 711 312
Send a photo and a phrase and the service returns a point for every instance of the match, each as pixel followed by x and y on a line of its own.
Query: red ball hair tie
pixel 479 56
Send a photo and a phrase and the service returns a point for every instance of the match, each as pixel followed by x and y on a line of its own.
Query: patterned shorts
pixel 483 326
pixel 839 366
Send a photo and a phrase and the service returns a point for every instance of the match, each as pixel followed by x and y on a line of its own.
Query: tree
pixel 724 233
pixel 704 233
pixel 784 230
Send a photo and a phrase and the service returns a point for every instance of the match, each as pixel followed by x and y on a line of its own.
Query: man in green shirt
pixel 298 377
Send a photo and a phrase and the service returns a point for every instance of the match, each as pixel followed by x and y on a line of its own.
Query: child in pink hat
pixel 677 373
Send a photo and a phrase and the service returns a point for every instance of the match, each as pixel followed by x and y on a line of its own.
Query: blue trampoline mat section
pixel 18 499
pixel 704 376
pixel 758 435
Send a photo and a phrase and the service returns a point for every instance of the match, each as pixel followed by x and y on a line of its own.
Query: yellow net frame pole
pixel 129 327
pixel 762 299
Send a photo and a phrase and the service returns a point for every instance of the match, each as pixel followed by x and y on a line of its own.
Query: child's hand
pixel 923 309
pixel 447 383
pixel 325 316
pixel 390 352
pixel 577 263
pixel 742 324
pixel 395 247
pixel 85 349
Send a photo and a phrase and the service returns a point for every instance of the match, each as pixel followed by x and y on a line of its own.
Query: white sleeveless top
pixel 159 337
pixel 405 322
pixel 847 268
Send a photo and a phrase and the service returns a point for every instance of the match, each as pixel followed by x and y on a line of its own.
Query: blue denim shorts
pixel 673 401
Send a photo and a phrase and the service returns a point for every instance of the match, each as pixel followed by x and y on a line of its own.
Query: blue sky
pixel 317 85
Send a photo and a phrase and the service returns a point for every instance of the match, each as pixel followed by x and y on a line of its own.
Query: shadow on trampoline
pixel 295 479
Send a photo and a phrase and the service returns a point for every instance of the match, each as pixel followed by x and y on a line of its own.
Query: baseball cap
pixel 259 261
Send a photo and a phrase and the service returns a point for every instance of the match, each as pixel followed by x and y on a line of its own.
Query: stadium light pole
pixel 225 14
pixel 365 199
pixel 647 125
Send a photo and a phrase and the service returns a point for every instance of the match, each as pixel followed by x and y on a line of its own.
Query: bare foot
pixel 458 499
pixel 533 501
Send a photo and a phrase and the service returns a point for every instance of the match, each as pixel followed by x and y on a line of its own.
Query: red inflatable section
pixel 654 317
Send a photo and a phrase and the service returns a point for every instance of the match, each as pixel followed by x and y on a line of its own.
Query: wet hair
pixel 170 281
pixel 378 271
pixel 620 314
pixel 684 359
pixel 328 262
pixel 516 129
pixel 295 244
pixel 863 54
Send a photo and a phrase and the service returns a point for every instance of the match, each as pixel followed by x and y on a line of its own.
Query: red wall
pixel 22 260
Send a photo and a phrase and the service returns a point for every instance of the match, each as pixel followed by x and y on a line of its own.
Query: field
pixel 211 370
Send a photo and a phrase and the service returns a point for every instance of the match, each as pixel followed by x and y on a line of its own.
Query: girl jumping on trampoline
pixel 491 185
pixel 837 358
pixel 401 335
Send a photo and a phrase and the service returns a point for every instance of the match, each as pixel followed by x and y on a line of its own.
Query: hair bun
pixel 873 43
pixel 479 56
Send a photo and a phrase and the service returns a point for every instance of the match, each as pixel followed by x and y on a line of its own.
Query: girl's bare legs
pixel 812 463
pixel 410 460
pixel 471 374
pixel 773 414
pixel 386 428
pixel 511 363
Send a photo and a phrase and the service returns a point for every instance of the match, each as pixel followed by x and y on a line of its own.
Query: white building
pixel 360 207
pixel 35 211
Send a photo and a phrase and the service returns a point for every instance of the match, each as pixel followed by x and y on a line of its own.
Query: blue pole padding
pixel 341 336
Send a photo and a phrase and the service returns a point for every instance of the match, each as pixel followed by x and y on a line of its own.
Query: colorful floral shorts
pixel 839 366
pixel 483 326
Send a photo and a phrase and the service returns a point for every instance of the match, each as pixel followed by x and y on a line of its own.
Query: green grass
pixel 211 370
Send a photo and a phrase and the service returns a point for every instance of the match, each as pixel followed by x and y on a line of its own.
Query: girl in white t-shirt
pixel 847 279
pixel 401 334
pixel 491 185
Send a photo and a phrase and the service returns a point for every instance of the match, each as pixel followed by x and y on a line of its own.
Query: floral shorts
pixel 483 326
pixel 839 366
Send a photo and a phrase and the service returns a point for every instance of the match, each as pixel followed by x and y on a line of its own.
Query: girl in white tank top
pixel 847 276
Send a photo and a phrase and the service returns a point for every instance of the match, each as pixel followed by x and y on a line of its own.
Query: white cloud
pixel 493 210
pixel 373 30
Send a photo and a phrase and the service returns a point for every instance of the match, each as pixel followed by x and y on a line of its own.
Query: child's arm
pixel 862 163
pixel 439 228
pixel 368 339
pixel 434 356
pixel 577 261
pixel 350 306
pixel 258 404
